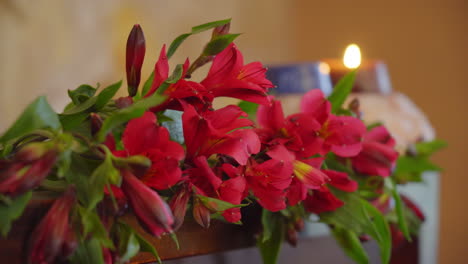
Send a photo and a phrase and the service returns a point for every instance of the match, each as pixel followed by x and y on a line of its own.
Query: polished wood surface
pixel 222 243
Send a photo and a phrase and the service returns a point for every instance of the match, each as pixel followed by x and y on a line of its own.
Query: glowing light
pixel 352 56
pixel 324 68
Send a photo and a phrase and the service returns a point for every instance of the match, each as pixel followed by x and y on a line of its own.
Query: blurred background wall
pixel 49 46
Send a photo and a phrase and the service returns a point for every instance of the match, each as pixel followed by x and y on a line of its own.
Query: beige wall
pixel 48 46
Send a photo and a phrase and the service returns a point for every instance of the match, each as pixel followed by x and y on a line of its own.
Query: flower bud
pixel 151 210
pixel 135 56
pixel 123 102
pixel 21 176
pixel 201 214
pixel 178 205
pixel 53 238
pixel 221 30
pixel 96 123
pixel 291 236
pixel 299 224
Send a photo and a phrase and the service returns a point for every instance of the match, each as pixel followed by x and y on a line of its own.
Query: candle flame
pixel 352 56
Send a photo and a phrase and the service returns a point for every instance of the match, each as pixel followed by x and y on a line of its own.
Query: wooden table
pixel 195 241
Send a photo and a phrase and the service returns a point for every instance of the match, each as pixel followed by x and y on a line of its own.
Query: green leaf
pixel 88 252
pixel 416 164
pixel 427 148
pixel 147 247
pixel 138 109
pixel 218 44
pixel 92 224
pixel 82 93
pixel 209 25
pixel 216 205
pixel 268 222
pixel 195 30
pixel 107 94
pixel 12 211
pixel 360 216
pixel 103 174
pixel 132 247
pixel 349 242
pixel 249 108
pixel 176 43
pixel 124 115
pixel 398 208
pixel 270 248
pixel 175 76
pixel 70 122
pixel 77 109
pixel 341 91
pixel 379 230
pixel 39 114
pixel 147 86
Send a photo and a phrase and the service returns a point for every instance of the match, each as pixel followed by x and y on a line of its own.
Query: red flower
pixel 143 136
pixel 211 132
pixel 151 210
pixel 323 200
pixel 53 238
pixel 178 206
pixel 134 60
pixel 207 183
pixel 27 170
pixel 228 76
pixel 269 181
pixel 378 155
pixel 189 91
pixel 341 135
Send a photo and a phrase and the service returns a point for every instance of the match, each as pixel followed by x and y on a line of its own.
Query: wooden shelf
pixel 193 239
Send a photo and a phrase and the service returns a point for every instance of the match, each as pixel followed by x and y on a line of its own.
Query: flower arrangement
pixel 163 150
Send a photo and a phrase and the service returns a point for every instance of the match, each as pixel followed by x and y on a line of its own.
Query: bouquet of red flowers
pixel 164 150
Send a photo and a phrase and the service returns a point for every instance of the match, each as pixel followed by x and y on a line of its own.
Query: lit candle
pixel 372 75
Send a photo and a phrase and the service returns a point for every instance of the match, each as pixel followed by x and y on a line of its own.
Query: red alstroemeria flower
pixel 228 76
pixel 378 155
pixel 143 136
pixel 269 180
pixel 207 183
pixel 293 132
pixel 28 169
pixel 189 91
pixel 151 210
pixel 54 239
pixel 323 200
pixel 211 132
pixel 341 135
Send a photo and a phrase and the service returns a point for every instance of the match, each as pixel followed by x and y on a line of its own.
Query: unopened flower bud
pixel 364 238
pixel 134 60
pixel 291 236
pixel 53 239
pixel 354 106
pixel 151 210
pixel 299 224
pixel 221 30
pixel 178 205
pixel 201 214
pixel 21 176
pixel 123 102
pixel 96 123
